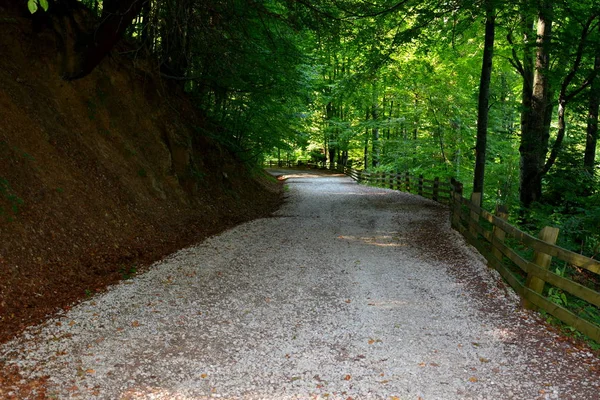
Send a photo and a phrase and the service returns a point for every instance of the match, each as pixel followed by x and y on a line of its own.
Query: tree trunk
pixel 146 33
pixel 484 98
pixel 82 48
pixel 366 154
pixel 589 160
pixel 375 145
pixel 174 40
pixel 564 97
pixel 534 139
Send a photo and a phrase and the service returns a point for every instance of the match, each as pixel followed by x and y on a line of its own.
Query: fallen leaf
pixel 72 323
pixel 348 301
pixel 371 341
pixel 422 364
pixel 484 360
pixel 434 364
pixel 394 398
pixel 203 376
pixel 473 379
pixel 90 371
pixel 135 324
pixel 347 377
pixel 384 381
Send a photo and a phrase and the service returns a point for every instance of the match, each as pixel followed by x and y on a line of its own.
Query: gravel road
pixel 347 292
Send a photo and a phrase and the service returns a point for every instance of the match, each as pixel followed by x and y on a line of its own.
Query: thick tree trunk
pixel 589 160
pixel 484 98
pixel 82 46
pixel 534 139
pixel 527 73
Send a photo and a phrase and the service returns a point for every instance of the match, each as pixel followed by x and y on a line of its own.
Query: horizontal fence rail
pixel 436 189
pixel 530 265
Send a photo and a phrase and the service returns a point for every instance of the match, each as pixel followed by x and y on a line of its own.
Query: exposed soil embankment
pixel 100 176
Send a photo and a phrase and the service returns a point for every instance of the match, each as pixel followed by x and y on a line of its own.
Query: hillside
pixel 101 176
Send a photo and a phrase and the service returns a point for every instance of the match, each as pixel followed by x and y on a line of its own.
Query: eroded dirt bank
pixel 100 176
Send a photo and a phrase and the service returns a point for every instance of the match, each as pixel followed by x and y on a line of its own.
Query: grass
pixel 127 272
pixel 14 201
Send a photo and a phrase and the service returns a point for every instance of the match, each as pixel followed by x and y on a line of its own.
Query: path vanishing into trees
pixel 347 292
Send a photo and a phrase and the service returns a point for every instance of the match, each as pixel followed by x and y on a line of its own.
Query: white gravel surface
pixel 347 292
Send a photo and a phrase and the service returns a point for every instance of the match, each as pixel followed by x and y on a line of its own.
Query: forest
pixel 500 95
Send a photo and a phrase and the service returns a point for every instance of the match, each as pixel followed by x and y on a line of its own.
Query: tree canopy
pixel 490 91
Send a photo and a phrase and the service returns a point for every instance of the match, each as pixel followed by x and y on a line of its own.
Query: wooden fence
pixel 530 265
pixel 436 189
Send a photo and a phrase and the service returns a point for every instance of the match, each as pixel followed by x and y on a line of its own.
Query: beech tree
pixel 589 161
pixel 484 96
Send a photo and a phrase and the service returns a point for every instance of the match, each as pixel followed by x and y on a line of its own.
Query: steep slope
pixel 100 176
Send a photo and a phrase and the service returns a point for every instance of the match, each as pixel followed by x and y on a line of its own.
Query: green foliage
pixel 92 109
pixel 34 5
pixel 316 156
pixel 127 272
pixel 14 201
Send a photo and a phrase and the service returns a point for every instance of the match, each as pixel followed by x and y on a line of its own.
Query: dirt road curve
pixel 348 292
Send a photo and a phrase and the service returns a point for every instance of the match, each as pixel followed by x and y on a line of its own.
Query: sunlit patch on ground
pixel 381 240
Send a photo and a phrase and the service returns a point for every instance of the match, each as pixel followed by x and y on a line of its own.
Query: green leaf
pixel 32 5
pixel 44 4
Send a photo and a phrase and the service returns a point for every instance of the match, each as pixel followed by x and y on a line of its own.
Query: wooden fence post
pixel 391 180
pixel 420 189
pixel 436 188
pixel 407 181
pixel 499 234
pixel 549 235
pixel 474 220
